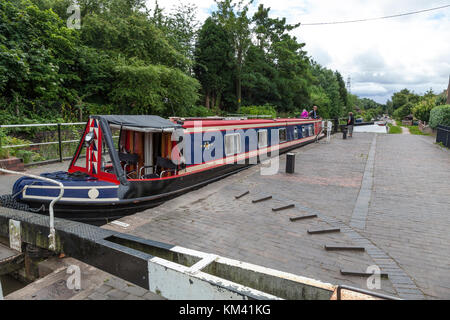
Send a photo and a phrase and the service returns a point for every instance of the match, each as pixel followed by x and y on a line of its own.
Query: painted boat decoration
pixel 125 163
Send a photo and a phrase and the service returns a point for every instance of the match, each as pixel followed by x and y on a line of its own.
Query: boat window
pixel 232 144
pixel 282 135
pixel 304 133
pixel 106 164
pixel 262 138
pixel 295 133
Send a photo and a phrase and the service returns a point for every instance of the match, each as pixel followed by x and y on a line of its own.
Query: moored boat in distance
pixel 125 163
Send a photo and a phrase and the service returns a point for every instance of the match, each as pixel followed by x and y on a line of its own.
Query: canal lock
pixel 17 270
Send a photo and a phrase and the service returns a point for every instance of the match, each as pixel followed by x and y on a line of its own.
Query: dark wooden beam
pixel 262 199
pixel 344 248
pixel 329 230
pixel 309 216
pixel 241 195
pixel 362 274
pixel 284 208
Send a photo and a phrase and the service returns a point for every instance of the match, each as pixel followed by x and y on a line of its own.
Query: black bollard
pixel 344 131
pixel 290 163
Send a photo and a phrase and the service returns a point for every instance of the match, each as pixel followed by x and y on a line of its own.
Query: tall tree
pixel 213 61
pixel 180 27
pixel 233 17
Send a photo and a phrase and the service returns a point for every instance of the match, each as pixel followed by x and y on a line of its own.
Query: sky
pixel 381 56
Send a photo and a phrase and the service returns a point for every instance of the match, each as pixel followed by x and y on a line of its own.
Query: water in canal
pixel 9 284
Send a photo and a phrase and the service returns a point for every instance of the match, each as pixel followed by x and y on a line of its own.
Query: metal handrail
pixel 38 144
pixel 366 292
pixel 41 125
pixel 59 142
pixel 51 236
pixel 443 128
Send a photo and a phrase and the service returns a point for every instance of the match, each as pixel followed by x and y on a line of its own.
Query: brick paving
pixel 211 220
pixel 403 222
pixel 361 208
pixel 388 193
pixel 409 216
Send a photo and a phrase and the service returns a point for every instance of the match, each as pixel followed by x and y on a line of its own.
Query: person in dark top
pixel 314 114
pixel 350 124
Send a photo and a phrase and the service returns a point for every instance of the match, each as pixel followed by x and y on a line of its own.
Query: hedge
pixel 440 115
pixel 266 110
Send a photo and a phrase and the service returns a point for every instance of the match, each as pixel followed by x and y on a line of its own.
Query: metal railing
pixel 443 135
pixel 51 236
pixel 59 142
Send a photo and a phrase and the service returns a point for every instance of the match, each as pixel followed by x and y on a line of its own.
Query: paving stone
pixel 97 296
pixel 212 220
pixel 132 297
pixel 116 294
pixel 135 290
pixel 116 283
pixel 152 296
pixel 104 288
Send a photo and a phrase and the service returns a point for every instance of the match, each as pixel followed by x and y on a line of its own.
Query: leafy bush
pixel 3 152
pixel 98 109
pixel 422 109
pixel 260 110
pixel 199 111
pixel 441 99
pixel 440 115
pixel 26 155
pixel 402 112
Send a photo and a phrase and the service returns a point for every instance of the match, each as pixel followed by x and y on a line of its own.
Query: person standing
pixel 304 114
pixel 350 124
pixel 314 114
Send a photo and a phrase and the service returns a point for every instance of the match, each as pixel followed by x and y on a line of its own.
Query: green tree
pixel 233 17
pixel 342 89
pixel 327 80
pixel 213 61
pixel 143 89
pixel 179 27
pixel 37 53
pixel 403 97
pixel 423 108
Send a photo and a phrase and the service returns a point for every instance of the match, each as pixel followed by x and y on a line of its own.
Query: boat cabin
pixel 142 148
pixel 146 147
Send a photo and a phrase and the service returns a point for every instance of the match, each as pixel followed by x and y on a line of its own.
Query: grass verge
pixel 394 129
pixel 415 130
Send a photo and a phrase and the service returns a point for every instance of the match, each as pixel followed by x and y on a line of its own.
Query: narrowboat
pixel 128 163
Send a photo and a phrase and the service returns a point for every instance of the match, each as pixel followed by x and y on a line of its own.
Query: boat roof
pixel 151 123
pixel 146 123
pixel 214 123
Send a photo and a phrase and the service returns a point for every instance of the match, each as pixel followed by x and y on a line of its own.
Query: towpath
pixel 387 193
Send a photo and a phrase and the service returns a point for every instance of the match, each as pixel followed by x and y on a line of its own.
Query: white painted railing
pixel 51 236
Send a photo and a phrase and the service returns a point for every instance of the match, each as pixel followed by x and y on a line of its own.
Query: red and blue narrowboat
pixel 127 163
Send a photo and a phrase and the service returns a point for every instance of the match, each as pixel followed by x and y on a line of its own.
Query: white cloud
pixel 381 56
